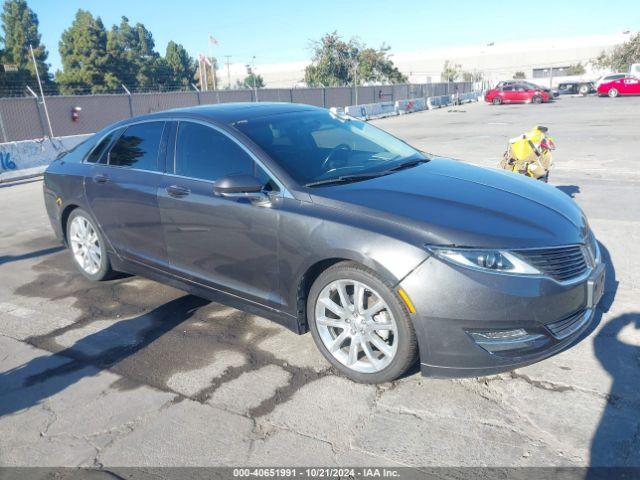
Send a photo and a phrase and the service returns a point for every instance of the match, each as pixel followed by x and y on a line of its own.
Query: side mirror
pixel 240 186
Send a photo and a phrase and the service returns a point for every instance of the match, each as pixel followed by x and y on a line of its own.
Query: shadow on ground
pixel 617 437
pixel 120 327
pixel 571 190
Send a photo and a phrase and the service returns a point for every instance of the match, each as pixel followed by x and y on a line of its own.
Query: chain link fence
pixel 25 118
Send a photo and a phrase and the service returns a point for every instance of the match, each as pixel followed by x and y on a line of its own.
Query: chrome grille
pixel 568 325
pixel 560 263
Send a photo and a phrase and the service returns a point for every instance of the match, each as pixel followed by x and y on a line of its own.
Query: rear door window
pixel 138 147
pixel 98 154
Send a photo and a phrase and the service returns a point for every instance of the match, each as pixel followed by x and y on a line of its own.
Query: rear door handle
pixel 176 191
pixel 100 178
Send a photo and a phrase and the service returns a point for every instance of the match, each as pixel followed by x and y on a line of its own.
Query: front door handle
pixel 100 178
pixel 176 191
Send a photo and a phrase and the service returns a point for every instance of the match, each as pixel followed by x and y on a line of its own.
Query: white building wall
pixel 498 61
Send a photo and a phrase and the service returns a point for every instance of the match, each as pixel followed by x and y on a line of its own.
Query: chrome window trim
pixel 285 193
pixel 283 190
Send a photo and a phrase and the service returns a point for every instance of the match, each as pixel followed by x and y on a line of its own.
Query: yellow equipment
pixel 530 154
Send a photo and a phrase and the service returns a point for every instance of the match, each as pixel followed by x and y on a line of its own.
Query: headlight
pixel 498 261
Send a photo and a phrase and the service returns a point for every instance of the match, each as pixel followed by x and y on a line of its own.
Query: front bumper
pixel 454 302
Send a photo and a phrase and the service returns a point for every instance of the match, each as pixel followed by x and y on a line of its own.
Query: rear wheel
pixel 536 99
pixel 583 89
pixel 87 246
pixel 360 325
pixel 496 100
pixel 613 92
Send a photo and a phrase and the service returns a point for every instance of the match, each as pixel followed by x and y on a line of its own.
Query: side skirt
pixel 135 268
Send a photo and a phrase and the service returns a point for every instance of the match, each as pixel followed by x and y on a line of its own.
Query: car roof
pixel 230 113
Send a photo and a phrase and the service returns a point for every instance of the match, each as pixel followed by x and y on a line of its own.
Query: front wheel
pixel 496 100
pixel 613 92
pixel 360 324
pixel 537 99
pixel 87 246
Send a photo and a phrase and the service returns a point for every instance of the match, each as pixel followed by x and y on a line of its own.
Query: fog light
pixel 498 334
pixel 500 340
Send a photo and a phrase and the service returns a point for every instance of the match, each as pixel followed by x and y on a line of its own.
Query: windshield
pixel 317 146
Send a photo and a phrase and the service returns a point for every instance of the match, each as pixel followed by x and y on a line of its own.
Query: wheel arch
pixel 64 218
pixel 314 269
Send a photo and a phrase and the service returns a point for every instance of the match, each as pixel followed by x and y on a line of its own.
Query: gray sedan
pixel 324 223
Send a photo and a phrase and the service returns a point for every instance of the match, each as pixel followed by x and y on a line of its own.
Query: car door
pixel 522 93
pixel 631 86
pixel 230 244
pixel 122 192
pixel 508 94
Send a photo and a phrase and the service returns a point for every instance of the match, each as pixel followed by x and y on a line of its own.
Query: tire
pixel 613 92
pixel 583 90
pixel 536 99
pixel 381 355
pixel 496 100
pixel 87 246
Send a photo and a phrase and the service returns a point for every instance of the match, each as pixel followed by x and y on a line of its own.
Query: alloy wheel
pixel 613 93
pixel 85 245
pixel 356 326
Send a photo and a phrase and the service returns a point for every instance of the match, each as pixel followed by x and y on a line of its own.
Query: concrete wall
pixel 31 157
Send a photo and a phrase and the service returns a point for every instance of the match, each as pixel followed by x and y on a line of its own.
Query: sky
pixel 279 31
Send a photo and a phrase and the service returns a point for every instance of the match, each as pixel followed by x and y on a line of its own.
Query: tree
pixel 450 72
pixel 20 26
pixel 621 57
pixel 375 66
pixel 139 65
pixel 472 76
pixel 336 62
pixel 519 75
pixel 576 69
pixel 248 82
pixel 180 64
pixel 83 50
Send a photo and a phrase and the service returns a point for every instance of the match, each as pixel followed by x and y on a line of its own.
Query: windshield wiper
pixel 347 178
pixel 407 164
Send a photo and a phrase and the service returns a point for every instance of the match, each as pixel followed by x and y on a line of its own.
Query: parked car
pixel 609 78
pixel 516 93
pixel 327 224
pixel 576 88
pixel 627 85
pixel 553 93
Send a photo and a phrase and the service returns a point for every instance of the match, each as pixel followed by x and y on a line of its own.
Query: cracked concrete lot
pixel 134 373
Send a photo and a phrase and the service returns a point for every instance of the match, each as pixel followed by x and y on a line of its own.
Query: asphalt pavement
pixel 134 373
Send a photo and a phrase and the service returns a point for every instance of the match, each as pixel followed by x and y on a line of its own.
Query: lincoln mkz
pixel 327 224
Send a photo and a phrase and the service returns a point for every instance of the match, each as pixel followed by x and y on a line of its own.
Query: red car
pixel 515 93
pixel 622 86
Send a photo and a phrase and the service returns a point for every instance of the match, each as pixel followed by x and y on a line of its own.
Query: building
pixel 541 60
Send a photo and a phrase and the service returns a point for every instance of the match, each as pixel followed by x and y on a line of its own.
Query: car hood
pixel 453 203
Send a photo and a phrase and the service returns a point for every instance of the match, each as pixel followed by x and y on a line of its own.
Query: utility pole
pixel 212 41
pixel 255 87
pixel 44 103
pixel 355 79
pixel 200 72
pixel 206 80
pixel 228 71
